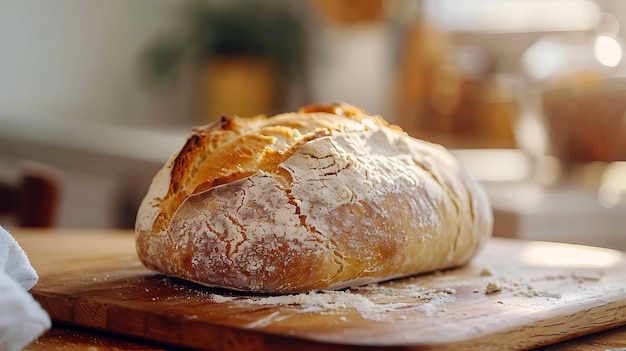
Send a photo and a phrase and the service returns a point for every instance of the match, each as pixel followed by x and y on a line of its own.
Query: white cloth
pixel 22 320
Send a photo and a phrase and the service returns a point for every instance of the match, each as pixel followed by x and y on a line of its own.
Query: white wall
pixel 75 58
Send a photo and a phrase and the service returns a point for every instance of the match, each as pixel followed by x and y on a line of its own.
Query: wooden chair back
pixel 34 200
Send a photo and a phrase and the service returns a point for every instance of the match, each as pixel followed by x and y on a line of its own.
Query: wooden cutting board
pixel 514 295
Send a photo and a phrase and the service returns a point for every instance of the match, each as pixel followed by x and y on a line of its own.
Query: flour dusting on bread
pixel 324 198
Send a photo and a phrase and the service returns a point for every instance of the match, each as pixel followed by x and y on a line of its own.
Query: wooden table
pixel 46 247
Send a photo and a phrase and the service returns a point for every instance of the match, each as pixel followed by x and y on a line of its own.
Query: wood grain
pixel 549 293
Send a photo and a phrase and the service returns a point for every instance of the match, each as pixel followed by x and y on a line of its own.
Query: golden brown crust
pixel 323 198
pixel 234 148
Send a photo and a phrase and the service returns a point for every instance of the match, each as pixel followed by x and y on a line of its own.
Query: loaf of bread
pixel 324 198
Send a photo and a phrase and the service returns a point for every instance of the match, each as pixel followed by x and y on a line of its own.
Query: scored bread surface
pixel 323 198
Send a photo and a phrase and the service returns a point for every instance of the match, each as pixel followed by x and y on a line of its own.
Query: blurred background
pixel 527 93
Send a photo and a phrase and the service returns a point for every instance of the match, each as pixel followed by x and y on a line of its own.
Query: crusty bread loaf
pixel 324 198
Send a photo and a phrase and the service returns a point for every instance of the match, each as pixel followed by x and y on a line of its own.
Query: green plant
pixel 267 30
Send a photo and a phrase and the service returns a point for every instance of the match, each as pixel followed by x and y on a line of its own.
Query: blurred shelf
pixel 564 211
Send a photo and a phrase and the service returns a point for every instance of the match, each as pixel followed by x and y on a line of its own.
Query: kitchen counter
pixel 47 248
pixel 569 209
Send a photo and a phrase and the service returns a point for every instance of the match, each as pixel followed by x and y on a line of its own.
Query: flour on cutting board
pixel 393 303
pixel 528 289
pixel 374 302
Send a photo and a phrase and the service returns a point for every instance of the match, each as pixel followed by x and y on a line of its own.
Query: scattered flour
pixel 527 288
pixel 494 286
pixel 373 302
